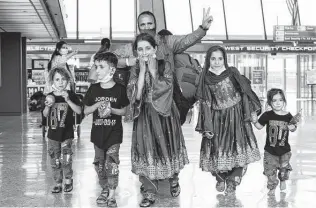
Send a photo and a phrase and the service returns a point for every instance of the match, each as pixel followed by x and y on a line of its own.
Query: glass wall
pixel 94 19
pixel 253 66
pixel 244 20
pixel 307 63
pixel 178 20
pixel 217 30
pixel 252 20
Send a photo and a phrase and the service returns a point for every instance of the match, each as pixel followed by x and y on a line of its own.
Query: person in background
pixel 105 47
pixel 172 44
pixel 59 59
pixel 183 104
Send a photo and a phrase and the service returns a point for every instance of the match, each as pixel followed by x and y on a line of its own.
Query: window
pixel 123 19
pixel 71 17
pixel 178 18
pixel 307 12
pixel 217 29
pixel 275 13
pixel 244 19
pixel 94 19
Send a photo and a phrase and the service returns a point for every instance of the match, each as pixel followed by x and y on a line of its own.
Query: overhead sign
pixel 42 48
pixel 271 49
pixel 283 33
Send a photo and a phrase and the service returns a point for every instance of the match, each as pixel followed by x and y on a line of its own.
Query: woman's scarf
pixel 240 82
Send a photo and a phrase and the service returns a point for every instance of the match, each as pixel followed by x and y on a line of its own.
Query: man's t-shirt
pixel 277 132
pixel 61 118
pixel 106 131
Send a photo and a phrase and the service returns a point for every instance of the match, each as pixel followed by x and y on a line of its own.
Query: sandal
pixel 146 202
pixel 56 189
pixel 68 186
pixel 220 186
pixel 103 198
pixel 175 190
pixel 142 189
pixel 112 202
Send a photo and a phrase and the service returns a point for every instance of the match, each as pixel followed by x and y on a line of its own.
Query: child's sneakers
pixel 68 185
pixel 282 185
pixel 57 189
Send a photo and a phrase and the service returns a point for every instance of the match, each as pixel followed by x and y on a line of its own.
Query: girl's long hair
pixel 209 52
pixel 152 42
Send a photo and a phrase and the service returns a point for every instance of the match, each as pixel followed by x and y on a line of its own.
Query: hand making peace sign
pixel 207 19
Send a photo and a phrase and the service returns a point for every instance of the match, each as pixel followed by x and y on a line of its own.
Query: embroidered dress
pixel 158 147
pixel 234 143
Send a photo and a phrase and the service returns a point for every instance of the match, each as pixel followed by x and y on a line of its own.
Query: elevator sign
pixel 285 33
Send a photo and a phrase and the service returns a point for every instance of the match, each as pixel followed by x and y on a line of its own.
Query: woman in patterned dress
pixel 158 148
pixel 226 102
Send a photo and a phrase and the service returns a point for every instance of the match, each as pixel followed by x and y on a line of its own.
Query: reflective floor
pixel 25 174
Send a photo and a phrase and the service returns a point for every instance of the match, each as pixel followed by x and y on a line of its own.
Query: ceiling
pixel 35 19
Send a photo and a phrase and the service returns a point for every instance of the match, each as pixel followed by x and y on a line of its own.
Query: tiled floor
pixel 25 176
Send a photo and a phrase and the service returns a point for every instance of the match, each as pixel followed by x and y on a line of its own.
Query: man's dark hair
pixel 109 57
pixel 164 32
pixel 147 13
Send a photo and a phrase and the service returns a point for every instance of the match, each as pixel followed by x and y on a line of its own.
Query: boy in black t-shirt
pixel 60 106
pixel 107 101
pixel 277 149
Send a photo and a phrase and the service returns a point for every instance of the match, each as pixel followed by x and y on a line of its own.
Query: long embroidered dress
pixel 158 147
pixel 225 113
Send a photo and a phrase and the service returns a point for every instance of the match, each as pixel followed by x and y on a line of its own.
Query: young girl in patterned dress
pixel 158 148
pixel 226 102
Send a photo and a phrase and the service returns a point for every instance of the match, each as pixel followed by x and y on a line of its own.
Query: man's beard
pixel 151 32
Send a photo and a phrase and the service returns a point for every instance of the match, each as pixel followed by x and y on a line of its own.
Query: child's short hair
pixel 109 57
pixel 62 71
pixel 272 92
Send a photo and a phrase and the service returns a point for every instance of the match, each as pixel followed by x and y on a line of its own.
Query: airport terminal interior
pixel 271 42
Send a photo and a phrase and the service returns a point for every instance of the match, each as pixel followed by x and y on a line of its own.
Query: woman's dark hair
pixel 152 42
pixel 272 92
pixel 59 45
pixel 209 54
pixel 60 71
pixel 105 45
pixel 149 14
pixel 144 37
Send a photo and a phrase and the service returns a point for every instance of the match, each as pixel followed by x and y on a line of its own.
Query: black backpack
pixel 186 78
